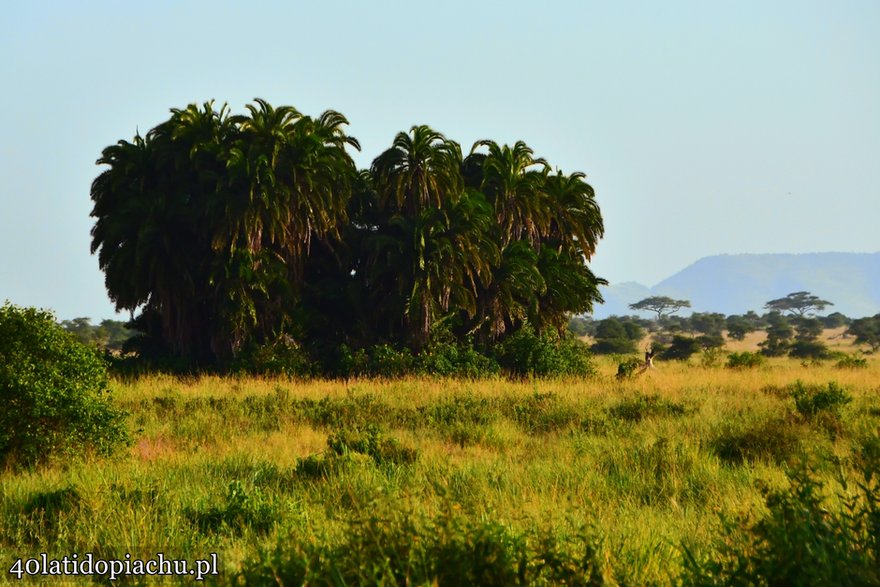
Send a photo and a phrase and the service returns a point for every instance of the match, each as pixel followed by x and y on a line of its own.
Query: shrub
pixel 54 392
pixel 455 360
pixel 744 360
pixel 852 362
pixel 280 358
pixel 371 442
pixel 711 357
pixel 808 349
pixel 628 368
pixel 813 400
pixel 524 353
pixel 613 346
pixel 681 349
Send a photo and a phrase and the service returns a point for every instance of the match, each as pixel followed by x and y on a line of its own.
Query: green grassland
pixel 421 481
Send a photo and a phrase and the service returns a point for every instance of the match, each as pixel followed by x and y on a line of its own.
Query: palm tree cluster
pixel 233 230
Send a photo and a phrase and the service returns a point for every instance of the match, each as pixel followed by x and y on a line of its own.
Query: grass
pixel 411 481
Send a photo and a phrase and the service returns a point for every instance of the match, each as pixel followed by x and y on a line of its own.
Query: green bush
pixel 681 348
pixel 372 442
pixel 54 392
pixel 628 367
pixel 613 346
pixel 852 362
pixel 744 360
pixel 813 400
pixel 280 358
pixel 455 360
pixel 808 349
pixel 525 353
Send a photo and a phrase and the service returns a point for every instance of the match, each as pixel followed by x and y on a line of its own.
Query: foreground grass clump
pixel 54 392
pixel 451 549
pixel 457 481
pixel 801 541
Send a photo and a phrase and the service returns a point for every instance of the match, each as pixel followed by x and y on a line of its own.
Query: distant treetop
pixel 661 305
pixel 799 303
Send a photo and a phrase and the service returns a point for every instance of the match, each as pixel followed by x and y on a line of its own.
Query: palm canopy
pixel 209 224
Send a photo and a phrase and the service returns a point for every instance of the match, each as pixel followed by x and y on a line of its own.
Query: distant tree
pixel 738 327
pixel 610 328
pixel 681 349
pixel 799 303
pixel 779 335
pixel 661 305
pixel 808 329
pixel 634 332
pixel 612 338
pixel 866 331
pixel 709 323
pixel 581 326
pixel 711 341
pixel 82 329
pixel 835 320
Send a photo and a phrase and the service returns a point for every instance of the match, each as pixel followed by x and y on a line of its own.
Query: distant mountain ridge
pixel 735 284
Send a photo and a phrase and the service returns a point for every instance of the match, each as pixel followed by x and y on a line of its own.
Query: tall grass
pixel 453 481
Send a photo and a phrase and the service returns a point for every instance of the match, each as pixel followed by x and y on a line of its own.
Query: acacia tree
pixel 661 305
pixel 799 303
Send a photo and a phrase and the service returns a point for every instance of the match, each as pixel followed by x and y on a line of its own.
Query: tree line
pixel 790 323
pixel 228 232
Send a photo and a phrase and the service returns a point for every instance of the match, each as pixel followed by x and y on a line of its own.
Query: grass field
pixel 413 481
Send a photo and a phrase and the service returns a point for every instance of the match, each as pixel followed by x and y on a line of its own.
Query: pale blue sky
pixel 705 127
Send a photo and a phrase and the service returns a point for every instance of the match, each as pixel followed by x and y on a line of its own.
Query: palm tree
pixel 576 221
pixel 513 180
pixel 419 170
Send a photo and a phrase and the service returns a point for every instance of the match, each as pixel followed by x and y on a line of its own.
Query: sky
pixel 704 127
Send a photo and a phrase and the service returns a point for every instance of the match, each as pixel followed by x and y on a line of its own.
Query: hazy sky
pixel 705 127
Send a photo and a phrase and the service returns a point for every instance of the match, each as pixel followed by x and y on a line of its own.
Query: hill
pixel 734 284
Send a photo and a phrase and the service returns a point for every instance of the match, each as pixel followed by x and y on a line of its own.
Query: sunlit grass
pixel 640 464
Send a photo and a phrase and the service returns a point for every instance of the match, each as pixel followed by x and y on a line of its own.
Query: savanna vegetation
pixel 685 475
pixel 344 377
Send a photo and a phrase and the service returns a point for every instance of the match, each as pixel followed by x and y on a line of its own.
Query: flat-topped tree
pixel 661 305
pixel 799 303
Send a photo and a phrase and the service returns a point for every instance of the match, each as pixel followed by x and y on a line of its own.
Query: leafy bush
pixel 371 442
pixel 801 541
pixel 456 360
pixel 628 368
pixel 813 400
pixel 808 349
pixel 681 349
pixel 852 362
pixel 54 392
pixel 524 353
pixel 711 357
pixel 280 358
pixel 744 360
pixel 613 346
